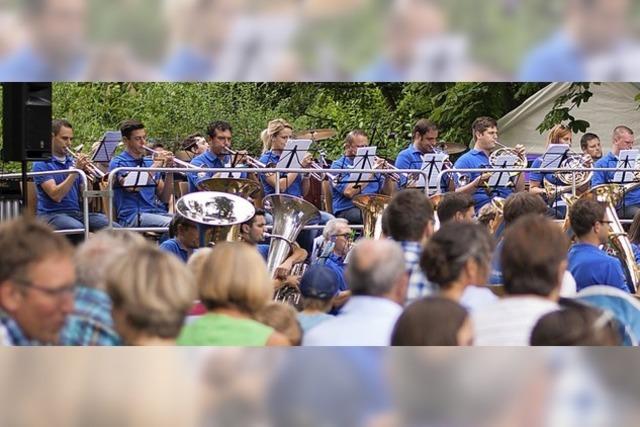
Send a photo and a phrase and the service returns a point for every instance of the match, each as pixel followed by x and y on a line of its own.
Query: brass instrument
pixel 572 161
pixel 221 211
pixel 176 161
pixel 504 150
pixel 251 161
pixel 498 205
pixel 244 188
pixel 94 173
pixel 611 195
pixel 372 207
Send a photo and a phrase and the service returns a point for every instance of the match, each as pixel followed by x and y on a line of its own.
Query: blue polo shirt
pixel 632 198
pixel 207 160
pixel 411 158
pixel 337 264
pixel 342 202
pixel 173 246
pixel 478 159
pixel 539 177
pixel 46 205
pixel 591 266
pixel 264 250
pixel 128 204
pixel 295 189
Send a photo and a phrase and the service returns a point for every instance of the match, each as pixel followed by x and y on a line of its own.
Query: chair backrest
pixel 32 199
pixel 327 196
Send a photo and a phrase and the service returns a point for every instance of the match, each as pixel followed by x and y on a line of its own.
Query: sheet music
pixel 108 144
pixel 234 174
pixel 364 159
pixel 136 179
pixel 626 160
pixel 554 156
pixel 502 179
pixel 293 153
pixel 432 164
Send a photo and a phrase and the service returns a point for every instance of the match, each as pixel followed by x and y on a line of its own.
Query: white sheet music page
pixel 626 160
pixel 503 179
pixel 136 179
pixel 293 153
pixel 365 159
pixel 432 164
pixel 554 156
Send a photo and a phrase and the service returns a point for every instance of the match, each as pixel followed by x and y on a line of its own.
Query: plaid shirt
pixel 419 286
pixel 11 332
pixel 91 322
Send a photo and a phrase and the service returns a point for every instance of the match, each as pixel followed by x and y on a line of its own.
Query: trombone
pixel 94 172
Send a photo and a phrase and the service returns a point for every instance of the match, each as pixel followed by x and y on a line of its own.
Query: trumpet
pixel 176 161
pixel 94 173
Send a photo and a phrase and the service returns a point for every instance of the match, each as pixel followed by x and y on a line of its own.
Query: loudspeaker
pixel 26 116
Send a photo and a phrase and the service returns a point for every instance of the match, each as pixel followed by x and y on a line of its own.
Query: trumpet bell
pixel 372 207
pixel 290 214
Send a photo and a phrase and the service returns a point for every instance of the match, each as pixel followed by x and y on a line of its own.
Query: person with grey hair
pixel 91 323
pixel 344 191
pixel 378 280
pixel 337 240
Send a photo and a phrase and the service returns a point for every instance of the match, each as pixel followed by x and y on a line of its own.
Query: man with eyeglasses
pixel 338 238
pixel 37 283
pixel 588 264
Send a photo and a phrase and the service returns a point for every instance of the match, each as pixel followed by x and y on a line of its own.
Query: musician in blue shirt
pixel 587 263
pixel 622 139
pixel 274 140
pixel 344 191
pixel 485 137
pixel 59 195
pixel 219 134
pixel 144 205
pixel 425 139
pixel 183 238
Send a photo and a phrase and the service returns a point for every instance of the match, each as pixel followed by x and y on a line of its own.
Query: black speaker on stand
pixel 26 125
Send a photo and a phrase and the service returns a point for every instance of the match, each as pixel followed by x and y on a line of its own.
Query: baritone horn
pixel 372 207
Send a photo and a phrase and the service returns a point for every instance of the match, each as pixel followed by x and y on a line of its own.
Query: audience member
pixel 458 207
pixel 184 238
pixel 319 287
pixel 282 318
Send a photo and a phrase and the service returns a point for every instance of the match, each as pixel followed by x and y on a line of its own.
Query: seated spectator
pixel 282 318
pixel 233 284
pixel 409 220
pixel 183 238
pixel 338 239
pixel 458 207
pixel 151 292
pixel 577 324
pixel 458 258
pixel 377 277
pixel 91 323
pixel 433 321
pixel 319 287
pixel 588 264
pixel 37 282
pixel 487 216
pixel 534 258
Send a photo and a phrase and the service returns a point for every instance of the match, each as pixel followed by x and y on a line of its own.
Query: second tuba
pixel 372 207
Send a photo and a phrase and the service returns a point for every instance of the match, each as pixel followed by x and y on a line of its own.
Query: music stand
pixel 626 160
pixel 433 163
pixel 502 179
pixel 364 159
pixel 554 156
pixel 108 144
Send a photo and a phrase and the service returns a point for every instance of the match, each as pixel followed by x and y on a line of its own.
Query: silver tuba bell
pixel 221 211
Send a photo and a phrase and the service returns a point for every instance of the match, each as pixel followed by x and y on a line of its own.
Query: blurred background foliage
pixel 386 111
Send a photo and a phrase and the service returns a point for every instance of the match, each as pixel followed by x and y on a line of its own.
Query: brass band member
pixel 143 206
pixel 425 138
pixel 219 136
pixel 590 144
pixel 344 191
pixel 622 139
pixel 485 137
pixel 59 195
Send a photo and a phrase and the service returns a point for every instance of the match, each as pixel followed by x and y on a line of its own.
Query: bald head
pixel 376 268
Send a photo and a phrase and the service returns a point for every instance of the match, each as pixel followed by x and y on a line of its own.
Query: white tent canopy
pixel 612 104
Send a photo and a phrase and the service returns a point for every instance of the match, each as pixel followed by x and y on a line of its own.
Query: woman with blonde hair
pixel 559 134
pixel 151 292
pixel 233 284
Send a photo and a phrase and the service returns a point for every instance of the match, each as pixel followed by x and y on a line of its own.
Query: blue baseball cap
pixel 319 282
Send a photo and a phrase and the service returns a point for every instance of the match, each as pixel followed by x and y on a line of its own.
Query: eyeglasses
pixel 349 236
pixel 57 293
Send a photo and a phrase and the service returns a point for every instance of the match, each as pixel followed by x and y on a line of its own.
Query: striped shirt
pixel 419 285
pixel 510 320
pixel 91 322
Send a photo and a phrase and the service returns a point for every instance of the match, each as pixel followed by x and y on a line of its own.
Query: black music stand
pixel 108 144
pixel 363 160
pixel 501 179
pixel 434 163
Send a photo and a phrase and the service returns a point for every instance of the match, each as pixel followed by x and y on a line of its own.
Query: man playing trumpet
pixel 485 138
pixel 59 195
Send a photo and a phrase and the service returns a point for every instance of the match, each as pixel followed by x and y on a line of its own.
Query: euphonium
pixel 244 188
pixel 610 195
pixel 372 207
pixel 222 212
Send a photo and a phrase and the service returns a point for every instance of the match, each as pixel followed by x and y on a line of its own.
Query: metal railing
pixel 85 204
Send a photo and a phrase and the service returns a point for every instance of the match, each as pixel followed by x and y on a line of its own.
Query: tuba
pixel 290 214
pixel 611 195
pixel 221 211
pixel 372 206
pixel 571 180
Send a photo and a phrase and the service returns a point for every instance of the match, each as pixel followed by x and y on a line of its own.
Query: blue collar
pixel 14 332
